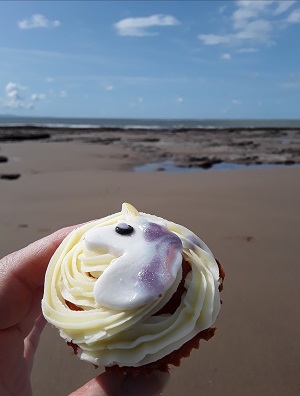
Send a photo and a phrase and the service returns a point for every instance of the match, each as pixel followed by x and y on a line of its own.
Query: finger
pixel 31 342
pixel 21 273
pixel 115 384
pixel 146 384
pixel 26 324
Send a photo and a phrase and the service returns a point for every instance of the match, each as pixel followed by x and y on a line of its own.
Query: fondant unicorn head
pixel 148 259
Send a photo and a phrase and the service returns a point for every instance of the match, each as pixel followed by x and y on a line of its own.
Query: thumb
pixel 115 384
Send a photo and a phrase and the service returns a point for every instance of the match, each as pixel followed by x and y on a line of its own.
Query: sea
pixel 153 124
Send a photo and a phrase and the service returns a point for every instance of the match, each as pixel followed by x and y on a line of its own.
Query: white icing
pixel 129 336
pixel 146 265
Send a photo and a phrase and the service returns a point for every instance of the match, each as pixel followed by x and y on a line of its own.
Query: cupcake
pixel 133 290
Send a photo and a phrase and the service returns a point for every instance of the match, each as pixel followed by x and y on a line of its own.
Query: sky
pixel 150 59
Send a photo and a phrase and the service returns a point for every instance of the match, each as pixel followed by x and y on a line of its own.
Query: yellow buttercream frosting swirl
pixel 129 334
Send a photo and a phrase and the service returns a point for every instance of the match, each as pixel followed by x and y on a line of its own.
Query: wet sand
pixel 249 218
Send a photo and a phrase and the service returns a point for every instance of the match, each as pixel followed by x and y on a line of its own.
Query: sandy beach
pixel 249 218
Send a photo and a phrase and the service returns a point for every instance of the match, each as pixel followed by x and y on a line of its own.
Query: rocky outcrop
pixel 3 158
pixel 203 162
pixel 13 136
pixel 10 176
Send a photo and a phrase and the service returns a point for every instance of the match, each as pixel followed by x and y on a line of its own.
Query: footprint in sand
pixel 247 238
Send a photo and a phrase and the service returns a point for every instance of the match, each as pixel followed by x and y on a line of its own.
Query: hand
pixel 21 323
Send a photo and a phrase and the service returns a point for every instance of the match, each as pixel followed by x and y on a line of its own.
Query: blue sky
pixel 150 59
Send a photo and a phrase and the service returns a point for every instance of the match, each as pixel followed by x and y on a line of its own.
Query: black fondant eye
pixel 124 229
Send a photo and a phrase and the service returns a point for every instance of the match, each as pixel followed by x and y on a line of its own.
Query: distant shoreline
pixel 138 128
pixel 185 147
pixel 139 123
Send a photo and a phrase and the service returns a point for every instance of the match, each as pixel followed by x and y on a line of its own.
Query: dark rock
pixel 206 162
pixel 104 141
pixel 164 155
pixel 289 162
pixel 245 144
pixel 288 150
pixel 19 136
pixel 198 159
pixel 249 160
pixel 3 159
pixel 284 161
pixel 151 140
pixel 10 176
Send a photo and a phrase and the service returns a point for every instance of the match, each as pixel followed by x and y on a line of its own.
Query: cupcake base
pixel 174 358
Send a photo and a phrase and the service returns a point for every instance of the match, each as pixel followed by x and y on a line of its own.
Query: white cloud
pixel 226 56
pixel 140 26
pixel 13 90
pixel 236 102
pixel 214 39
pixel 255 6
pixel 56 94
pixel 224 111
pixel 253 23
pixel 256 31
pixel 247 21
pixel 179 99
pixel 138 102
pixel 248 50
pixel 109 88
pixel 38 21
pixel 222 8
pixel 241 16
pixel 14 97
pixel 49 79
pixel 63 94
pixel 38 96
pixel 294 16
pixel 283 6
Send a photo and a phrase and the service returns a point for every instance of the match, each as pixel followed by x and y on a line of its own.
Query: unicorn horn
pixel 129 211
